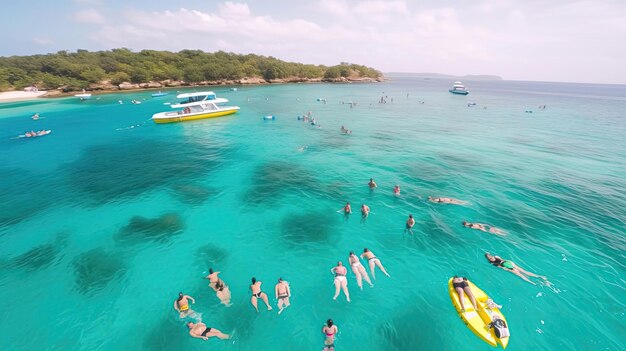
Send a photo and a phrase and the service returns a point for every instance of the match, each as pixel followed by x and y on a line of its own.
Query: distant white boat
pixel 459 88
pixel 83 95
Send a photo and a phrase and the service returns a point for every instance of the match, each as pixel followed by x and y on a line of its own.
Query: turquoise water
pixel 101 225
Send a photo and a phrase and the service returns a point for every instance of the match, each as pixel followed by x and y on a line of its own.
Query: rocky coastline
pixel 108 87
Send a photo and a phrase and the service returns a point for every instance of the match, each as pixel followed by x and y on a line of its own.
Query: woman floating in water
pixel 396 190
pixel 201 331
pixel 223 293
pixel 340 281
pixel 330 330
pixel 446 200
pixel 461 286
pixel 484 227
pixel 181 305
pixel 373 261
pixel 282 294
pixel 258 294
pixel 358 270
pixel 510 266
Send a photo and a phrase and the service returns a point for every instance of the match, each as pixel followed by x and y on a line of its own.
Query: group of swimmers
pixel 340 272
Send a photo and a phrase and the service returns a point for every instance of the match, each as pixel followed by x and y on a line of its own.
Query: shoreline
pixel 106 88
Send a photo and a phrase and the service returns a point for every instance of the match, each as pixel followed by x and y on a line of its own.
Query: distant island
pixel 444 76
pixel 123 69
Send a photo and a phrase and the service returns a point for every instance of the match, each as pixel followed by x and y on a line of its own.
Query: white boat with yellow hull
pixel 199 105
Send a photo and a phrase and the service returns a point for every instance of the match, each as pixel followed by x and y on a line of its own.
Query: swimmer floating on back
pixel 446 200
pixel 510 266
pixel 484 227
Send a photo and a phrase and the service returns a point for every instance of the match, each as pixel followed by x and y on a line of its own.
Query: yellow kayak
pixel 478 321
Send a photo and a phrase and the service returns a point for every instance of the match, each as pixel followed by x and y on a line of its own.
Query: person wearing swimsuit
pixel 373 262
pixel 358 270
pixel 340 280
pixel 365 211
pixel 213 278
pixel 446 200
pixel 510 266
pixel 282 294
pixel 330 330
pixel 484 227
pixel 201 331
pixel 372 184
pixel 461 287
pixel 396 190
pixel 258 294
pixel 410 222
pixel 223 293
pixel 181 305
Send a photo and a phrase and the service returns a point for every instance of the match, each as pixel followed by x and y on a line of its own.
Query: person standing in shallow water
pixel 373 261
pixel 257 293
pixel 330 330
pixel 358 270
pixel 340 281
pixel 181 305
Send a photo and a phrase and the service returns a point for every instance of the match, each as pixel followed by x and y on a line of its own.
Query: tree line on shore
pixel 83 69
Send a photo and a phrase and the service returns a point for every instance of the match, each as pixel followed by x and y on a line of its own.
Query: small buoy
pixel 269 118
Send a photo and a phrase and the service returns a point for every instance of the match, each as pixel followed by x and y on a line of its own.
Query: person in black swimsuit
pixel 461 287
pixel 201 331
pixel 258 294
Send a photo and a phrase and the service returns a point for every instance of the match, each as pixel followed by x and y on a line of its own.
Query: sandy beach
pixel 20 95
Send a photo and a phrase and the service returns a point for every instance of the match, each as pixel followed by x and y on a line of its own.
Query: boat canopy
pixel 200 102
pixel 197 96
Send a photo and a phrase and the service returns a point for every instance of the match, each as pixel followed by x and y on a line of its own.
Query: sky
pixel 554 40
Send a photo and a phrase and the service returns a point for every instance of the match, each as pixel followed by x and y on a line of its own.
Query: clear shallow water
pixel 238 194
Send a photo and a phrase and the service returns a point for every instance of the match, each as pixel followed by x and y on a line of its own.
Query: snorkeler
pixel 257 293
pixel 358 270
pixel 201 331
pixel 340 281
pixel 461 286
pixel 372 184
pixel 282 294
pixel 446 200
pixel 410 222
pixel 484 227
pixel 330 330
pixel 373 262
pixel 223 293
pixel 181 305
pixel 213 278
pixel 510 266
pixel 396 190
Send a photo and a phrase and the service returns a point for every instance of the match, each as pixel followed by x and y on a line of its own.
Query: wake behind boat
pixel 198 105
pixel 459 88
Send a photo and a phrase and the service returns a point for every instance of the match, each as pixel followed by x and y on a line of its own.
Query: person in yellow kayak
pixel 510 266
pixel 461 286
pixel 182 305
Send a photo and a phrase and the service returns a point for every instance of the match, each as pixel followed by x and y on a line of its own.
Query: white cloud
pixel 529 40
pixel 89 16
